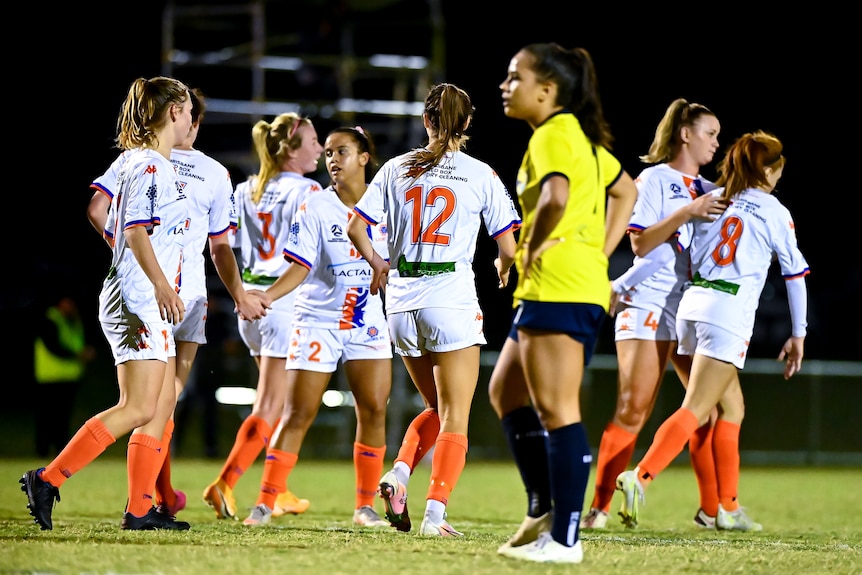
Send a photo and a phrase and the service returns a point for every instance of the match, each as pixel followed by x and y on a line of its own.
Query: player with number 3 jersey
pixel 266 205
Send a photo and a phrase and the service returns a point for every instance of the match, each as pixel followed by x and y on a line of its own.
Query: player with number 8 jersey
pixel 715 320
pixel 729 272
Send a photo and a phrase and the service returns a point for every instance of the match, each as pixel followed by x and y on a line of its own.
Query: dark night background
pixel 785 73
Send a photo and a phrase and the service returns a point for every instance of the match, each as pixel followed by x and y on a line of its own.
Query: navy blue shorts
pixel 580 321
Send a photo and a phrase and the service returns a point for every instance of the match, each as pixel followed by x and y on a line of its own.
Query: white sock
pixel 434 510
pixel 402 472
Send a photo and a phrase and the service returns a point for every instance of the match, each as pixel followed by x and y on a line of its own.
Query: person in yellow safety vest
pixel 60 354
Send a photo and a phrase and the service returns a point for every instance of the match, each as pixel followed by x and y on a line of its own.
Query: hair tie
pixel 359 129
pixel 294 128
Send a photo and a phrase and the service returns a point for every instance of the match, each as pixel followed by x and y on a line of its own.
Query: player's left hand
pixel 502 274
pixel 791 354
pixel 380 275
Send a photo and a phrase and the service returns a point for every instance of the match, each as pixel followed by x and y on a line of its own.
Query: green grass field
pixel 812 524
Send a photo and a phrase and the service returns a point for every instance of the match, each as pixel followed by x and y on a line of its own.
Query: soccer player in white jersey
pixel 138 305
pixel 336 318
pixel 433 201
pixel 207 186
pixel 715 320
pixel 267 202
pixel 671 192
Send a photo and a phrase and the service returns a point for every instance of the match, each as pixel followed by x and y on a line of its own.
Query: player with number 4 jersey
pixel 671 195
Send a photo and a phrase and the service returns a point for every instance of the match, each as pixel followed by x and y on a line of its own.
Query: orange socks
pixel 253 436
pixel 450 456
pixel 87 444
pixel 615 451
pixel 143 462
pixel 164 490
pixel 368 465
pixel 419 438
pixel 726 448
pixel 703 463
pixel 669 441
pixel 277 468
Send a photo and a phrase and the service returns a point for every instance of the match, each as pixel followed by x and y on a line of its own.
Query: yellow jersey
pixel 572 266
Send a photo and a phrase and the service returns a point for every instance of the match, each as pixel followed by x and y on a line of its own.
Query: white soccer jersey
pixel 731 259
pixel 336 293
pixel 663 190
pixel 107 182
pixel 206 184
pixel 264 227
pixel 433 224
pixel 149 195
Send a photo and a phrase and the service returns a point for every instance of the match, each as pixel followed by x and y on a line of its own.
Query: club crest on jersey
pixel 676 192
pixel 337 233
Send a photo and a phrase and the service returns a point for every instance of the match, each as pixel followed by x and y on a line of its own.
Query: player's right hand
pixel 707 207
pixel 171 306
pixel 253 305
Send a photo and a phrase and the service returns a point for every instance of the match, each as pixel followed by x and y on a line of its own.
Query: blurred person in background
pixel 60 357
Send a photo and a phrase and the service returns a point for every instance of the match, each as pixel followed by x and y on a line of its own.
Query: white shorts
pixel 131 339
pixel 193 326
pixel 711 341
pixel 437 329
pixel 647 323
pixel 269 336
pixel 320 349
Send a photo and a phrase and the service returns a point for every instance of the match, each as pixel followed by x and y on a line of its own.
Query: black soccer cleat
pixel 40 498
pixel 154 519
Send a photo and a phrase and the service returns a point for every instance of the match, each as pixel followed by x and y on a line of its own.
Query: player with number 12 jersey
pixel 428 266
